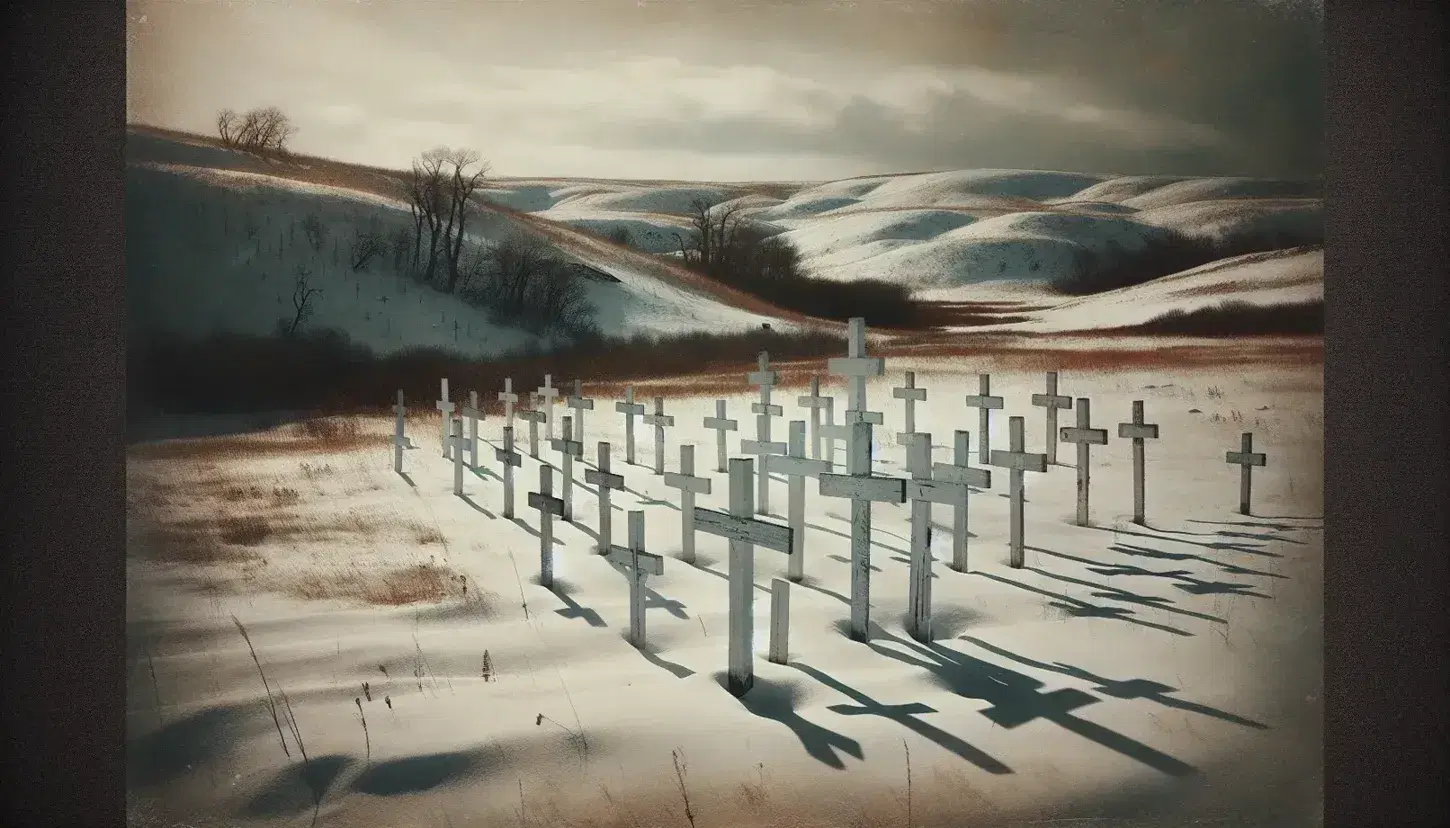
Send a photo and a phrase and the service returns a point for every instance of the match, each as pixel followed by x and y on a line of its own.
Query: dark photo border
pixel 64 413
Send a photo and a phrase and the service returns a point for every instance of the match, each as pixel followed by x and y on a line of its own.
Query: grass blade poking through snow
pixel 271 703
pixel 680 768
pixel 908 782
pixel 367 740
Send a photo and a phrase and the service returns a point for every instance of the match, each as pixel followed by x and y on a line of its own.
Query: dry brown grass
pixel 196 542
pixel 423 583
pixel 252 446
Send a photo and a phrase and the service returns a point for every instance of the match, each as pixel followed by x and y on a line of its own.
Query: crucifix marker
pixel 474 414
pixel 660 420
pixel 862 488
pixel 815 402
pixel 580 404
pixel 1138 431
pixel 796 467
pixel 764 410
pixel 511 460
pixel 857 367
pixel 400 436
pixel 923 491
pixel 1245 458
pixel 456 443
pixel 547 393
pixel 445 408
pixel 637 564
pixel 721 425
pixel 744 534
pixel 569 448
pixel 1085 436
pixel 509 400
pixel 985 404
pixel 630 409
pixel 607 482
pixel 959 471
pixel 910 395
pixel 689 486
pixel 533 417
pixel 1052 401
pixel 549 507
pixel 1017 461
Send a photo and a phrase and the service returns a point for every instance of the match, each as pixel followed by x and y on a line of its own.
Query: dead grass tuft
pixel 189 542
pixel 423 583
pixel 424 535
pixel 247 530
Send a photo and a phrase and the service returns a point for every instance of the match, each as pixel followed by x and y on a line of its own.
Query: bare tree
pixel 428 201
pixel 367 245
pixel 264 129
pixel 464 184
pixel 711 235
pixel 226 126
pixel 302 296
pixel 315 230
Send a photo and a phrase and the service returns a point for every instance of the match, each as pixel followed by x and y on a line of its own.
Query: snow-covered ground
pixel 1125 670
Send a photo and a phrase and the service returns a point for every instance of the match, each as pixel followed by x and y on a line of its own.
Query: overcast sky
pixel 763 90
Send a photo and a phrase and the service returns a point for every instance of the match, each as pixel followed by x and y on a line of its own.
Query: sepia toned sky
pixel 754 89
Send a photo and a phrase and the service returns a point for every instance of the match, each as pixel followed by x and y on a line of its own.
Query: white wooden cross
pixel 764 410
pixel 958 471
pixel 858 367
pixel 779 621
pixel 549 507
pixel 630 409
pixel 445 408
pixel 400 436
pixel 911 395
pixel 660 420
pixel 985 404
pixel 474 414
pixel 606 482
pixel 1017 460
pixel 796 467
pixel 510 459
pixel 721 425
pixel 1085 436
pixel 570 448
pixel 580 404
pixel 456 444
pixel 689 486
pixel 862 488
pixel 533 417
pixel 637 564
pixel 1052 401
pixel 509 400
pixel 1245 458
pixel 922 491
pixel 548 393
pixel 830 432
pixel 815 402
pixel 1138 431
pixel 744 533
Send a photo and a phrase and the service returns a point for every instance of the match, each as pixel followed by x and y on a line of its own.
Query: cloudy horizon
pixel 705 90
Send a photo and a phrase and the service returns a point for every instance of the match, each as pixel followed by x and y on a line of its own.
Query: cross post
pixel 549 507
pixel 796 467
pixel 985 404
pixel 580 404
pixel 637 564
pixel 400 436
pixel 474 414
pixel 547 393
pixel 533 417
pixel 660 420
pixel 779 621
pixel 766 379
pixel 1052 401
pixel 1138 431
pixel 689 486
pixel 959 471
pixel 569 448
pixel 910 395
pixel 510 459
pixel 815 402
pixel 1017 461
pixel 862 488
pixel 1245 458
pixel 922 491
pixel 630 409
pixel 456 444
pixel 509 400
pixel 744 533
pixel 720 425
pixel 445 408
pixel 1085 436
pixel 607 482
pixel 857 367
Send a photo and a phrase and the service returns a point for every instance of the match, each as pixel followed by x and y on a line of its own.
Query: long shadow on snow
pixel 1187 583
pixel 183 745
pixel 295 789
pixel 532 531
pixel 1259 524
pixel 573 609
pixel 477 508
pixel 845 560
pixel 898 550
pixel 1226 546
pixel 777 701
pixel 420 774
pixel 1132 550
pixel 1017 699
pixel 652 655
pixel 1127 689
pixel 904 714
pixel 1078 608
pixel 1123 595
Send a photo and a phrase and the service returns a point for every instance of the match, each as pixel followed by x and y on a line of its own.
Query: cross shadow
pixel 407 478
pixel 679 671
pixel 646 500
pixel 572 609
pixel 1276 527
pixel 907 561
pixel 1260 537
pixel 532 531
pixel 1078 608
pixel 484 473
pixel 1124 689
pixel 777 701
pixel 814 585
pixel 906 715
pixel 1154 554
pixel 1219 545
pixel 845 560
pixel 820 528
pixel 1193 586
pixel 477 508
pixel 1025 498
pixel 1113 594
pixel 586 530
pixel 1017 699
pixel 722 576
pixel 654 600
pixel 937 526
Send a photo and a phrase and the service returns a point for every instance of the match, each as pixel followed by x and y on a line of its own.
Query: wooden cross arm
pixel 983 401
pixel 763 378
pixel 837 431
pixel 872 417
pixel 606 479
pixel 649 563
pixel 570 447
pixel 918 394
pixel 721 424
pixel 758 447
pixel 629 408
pixel 1250 459
pixel 530 415
pixel 981 478
pixel 786 464
pixel 508 458
pixel 546 503
pixel 762 408
pixel 1091 436
pixel 856 366
pixel 862 487
pixel 659 419
pixel 1052 400
pixel 937 491
pixel 1019 460
pixel 810 401
pixel 687 483
pixel 1137 431
pixel 580 403
pixel 746 530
